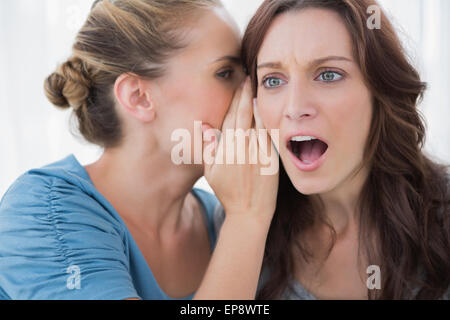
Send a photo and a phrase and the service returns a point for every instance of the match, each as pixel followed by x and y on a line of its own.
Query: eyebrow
pixel 234 59
pixel 277 65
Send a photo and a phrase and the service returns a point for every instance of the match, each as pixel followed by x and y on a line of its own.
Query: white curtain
pixel 36 35
pixel 424 27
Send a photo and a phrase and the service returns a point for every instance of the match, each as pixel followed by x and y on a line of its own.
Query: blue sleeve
pixel 57 242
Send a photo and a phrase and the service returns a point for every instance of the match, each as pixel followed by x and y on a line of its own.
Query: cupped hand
pixel 233 164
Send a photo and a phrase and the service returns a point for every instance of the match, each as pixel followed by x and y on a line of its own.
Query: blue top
pixel 61 239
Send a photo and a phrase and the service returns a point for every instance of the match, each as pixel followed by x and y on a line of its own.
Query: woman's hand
pixel 249 199
pixel 242 189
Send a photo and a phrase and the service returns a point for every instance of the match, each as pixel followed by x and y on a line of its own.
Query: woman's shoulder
pixel 53 223
pixel 64 172
pixel 56 195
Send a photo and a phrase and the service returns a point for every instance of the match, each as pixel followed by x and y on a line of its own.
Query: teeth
pixel 303 138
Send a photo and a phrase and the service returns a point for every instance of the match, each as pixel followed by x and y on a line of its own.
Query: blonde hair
pixel 119 36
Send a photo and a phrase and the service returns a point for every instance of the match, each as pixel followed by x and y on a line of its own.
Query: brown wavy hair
pixel 120 36
pixel 404 203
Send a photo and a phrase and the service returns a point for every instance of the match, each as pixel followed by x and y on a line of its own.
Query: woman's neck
pixel 340 206
pixel 144 186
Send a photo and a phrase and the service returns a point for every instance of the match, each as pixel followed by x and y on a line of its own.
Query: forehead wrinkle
pixel 288 47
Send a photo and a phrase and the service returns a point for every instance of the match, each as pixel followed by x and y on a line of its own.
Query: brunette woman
pixel 356 188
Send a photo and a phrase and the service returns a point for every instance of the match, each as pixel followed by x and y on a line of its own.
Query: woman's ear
pixel 134 96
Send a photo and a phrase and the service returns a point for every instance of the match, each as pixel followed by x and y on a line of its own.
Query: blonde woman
pixel 130 226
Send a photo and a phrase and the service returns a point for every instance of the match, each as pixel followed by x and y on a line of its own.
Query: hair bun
pixel 70 85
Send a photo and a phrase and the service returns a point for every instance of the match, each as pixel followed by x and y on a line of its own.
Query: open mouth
pixel 307 149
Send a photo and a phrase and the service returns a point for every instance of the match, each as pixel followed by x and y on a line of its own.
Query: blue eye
pixel 330 76
pixel 272 82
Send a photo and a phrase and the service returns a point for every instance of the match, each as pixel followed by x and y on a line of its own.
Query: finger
pixel 230 118
pixel 259 126
pixel 244 115
pixel 268 143
pixel 267 152
pixel 211 138
pixel 258 121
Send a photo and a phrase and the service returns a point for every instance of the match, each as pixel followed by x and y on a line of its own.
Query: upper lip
pixel 304 134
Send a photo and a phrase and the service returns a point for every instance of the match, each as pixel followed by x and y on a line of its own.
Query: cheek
pixel 201 102
pixel 214 102
pixel 350 116
pixel 206 101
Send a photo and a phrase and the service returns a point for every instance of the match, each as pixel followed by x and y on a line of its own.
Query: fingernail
pixel 255 107
pixel 247 79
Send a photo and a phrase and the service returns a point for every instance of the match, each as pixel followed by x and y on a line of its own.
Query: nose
pixel 301 103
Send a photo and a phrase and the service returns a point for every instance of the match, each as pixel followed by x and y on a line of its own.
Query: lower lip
pixel 309 167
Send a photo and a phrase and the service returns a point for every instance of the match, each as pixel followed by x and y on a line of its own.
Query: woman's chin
pixel 308 188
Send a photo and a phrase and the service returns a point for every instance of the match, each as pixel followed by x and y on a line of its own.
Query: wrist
pixel 246 220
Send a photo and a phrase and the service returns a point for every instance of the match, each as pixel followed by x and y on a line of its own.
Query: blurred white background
pixel 37 35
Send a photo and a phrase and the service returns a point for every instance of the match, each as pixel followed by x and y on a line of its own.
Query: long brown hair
pixel 120 36
pixel 404 203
